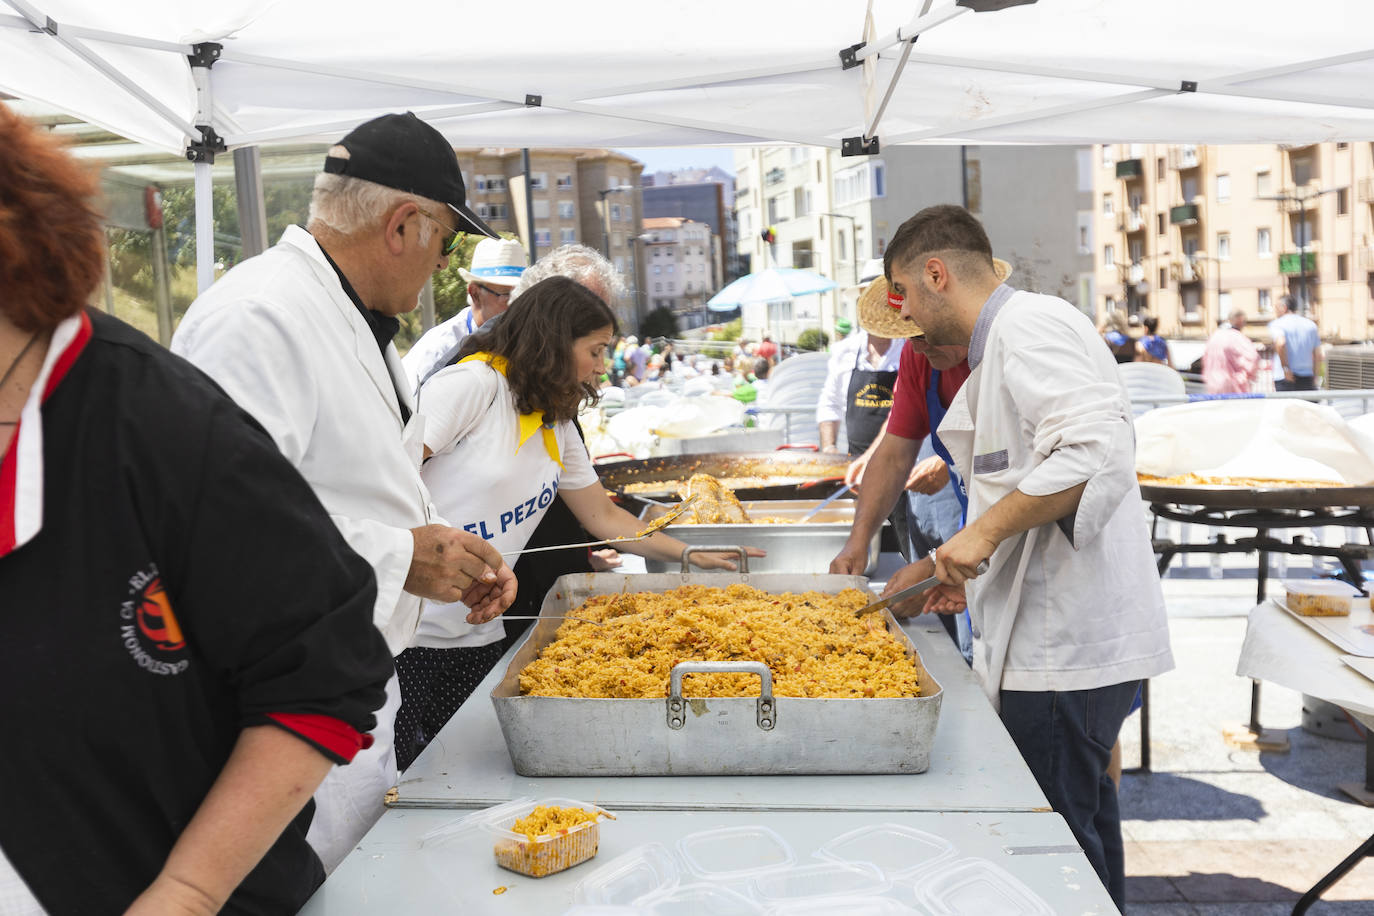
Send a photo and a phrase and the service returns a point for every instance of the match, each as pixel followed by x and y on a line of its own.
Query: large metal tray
pixel 797 548
pixel 726 736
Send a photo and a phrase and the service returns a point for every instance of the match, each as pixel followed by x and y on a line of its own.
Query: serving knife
pixel 909 592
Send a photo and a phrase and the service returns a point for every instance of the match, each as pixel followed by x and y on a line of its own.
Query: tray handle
pixel 765 710
pixel 731 548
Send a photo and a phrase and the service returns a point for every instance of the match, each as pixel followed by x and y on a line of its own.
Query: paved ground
pixel 1218 831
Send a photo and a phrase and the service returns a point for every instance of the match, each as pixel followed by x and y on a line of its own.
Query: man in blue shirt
pixel 1297 348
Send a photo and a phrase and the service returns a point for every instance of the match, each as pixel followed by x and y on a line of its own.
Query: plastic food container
pixel 849 906
pixel 545 855
pixel 900 852
pixel 1320 597
pixel 734 853
pixel 644 870
pixel 976 887
pixel 820 879
pixel 699 899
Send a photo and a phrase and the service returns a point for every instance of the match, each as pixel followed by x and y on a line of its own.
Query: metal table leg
pixel 1365 849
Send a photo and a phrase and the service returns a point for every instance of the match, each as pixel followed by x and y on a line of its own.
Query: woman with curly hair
pixel 188 636
pixel 500 427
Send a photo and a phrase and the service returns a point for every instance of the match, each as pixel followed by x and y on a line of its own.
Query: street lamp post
pixel 606 215
pixel 1302 237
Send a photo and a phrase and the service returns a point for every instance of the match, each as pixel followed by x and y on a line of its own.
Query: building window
pixel 1191 295
pixel 1342 201
pixel 1264 183
pixel 1342 267
pixel 1108 207
pixel 1223 188
pixel 1224 302
pixel 1159 169
pixel 615 211
pixel 1109 256
pixel 543 238
pixel 541 209
pixel 672 286
pixel 567 236
pixel 617 240
pixel 658 287
pixel 1262 243
pixel 1109 304
pixel 1163 278
pixel 658 268
pixel 539 181
pixel 1302 171
pixel 775 209
pixel 566 210
pixel 1159 223
pixel 670 268
pixel 1265 302
pixel 879 180
pixel 565 182
pixel 801 202
pixel 500 211
pixel 1108 156
pixel 496 183
pixel 1223 246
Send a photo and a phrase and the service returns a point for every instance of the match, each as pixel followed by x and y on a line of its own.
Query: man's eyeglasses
pixel 498 293
pixel 451 243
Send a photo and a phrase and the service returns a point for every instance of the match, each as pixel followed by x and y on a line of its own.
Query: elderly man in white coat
pixel 300 337
pixel 1069 616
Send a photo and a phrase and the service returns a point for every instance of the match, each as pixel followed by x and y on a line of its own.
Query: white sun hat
pixel 496 262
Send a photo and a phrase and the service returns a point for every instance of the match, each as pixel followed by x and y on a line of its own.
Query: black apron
pixel 867 403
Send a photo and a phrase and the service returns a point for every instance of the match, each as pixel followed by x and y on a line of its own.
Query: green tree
pixel 812 339
pixel 661 322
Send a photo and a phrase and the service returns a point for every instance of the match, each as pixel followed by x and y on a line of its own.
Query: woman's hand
pixel 723 560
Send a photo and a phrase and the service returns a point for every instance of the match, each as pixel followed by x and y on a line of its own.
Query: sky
pixel 666 160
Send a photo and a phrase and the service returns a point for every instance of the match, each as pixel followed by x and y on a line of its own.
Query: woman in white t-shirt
pixel 499 428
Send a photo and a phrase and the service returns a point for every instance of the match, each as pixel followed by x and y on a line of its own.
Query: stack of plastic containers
pixel 877 870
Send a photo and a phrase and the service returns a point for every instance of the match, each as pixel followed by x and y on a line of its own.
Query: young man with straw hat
pixel 497 265
pixel 1068 615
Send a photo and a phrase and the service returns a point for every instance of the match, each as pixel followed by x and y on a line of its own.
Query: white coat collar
pixel 388 374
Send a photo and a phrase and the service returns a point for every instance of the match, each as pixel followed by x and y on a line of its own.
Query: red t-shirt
pixel 909 417
pixel 766 350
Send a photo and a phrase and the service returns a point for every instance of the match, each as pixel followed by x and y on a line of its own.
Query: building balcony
pixel 775 176
pixel 1184 157
pixel 1365 190
pixel 1184 215
pixel 1364 257
pixel 1290 266
pixel 1188 270
pixel 1135 273
pixel 1132 221
pixel 1127 169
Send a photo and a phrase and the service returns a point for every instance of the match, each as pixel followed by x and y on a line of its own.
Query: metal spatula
pixel 823 503
pixel 909 592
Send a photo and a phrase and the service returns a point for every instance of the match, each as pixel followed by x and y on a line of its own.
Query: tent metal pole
pixel 205 228
pixel 102 66
pixel 872 129
pixel 966 128
pixel 114 38
pixel 258 137
pixel 922 23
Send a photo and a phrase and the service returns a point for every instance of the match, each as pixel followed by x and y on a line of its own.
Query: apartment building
pixel 589 196
pixel 679 265
pixel 1189 233
pixel 706 196
pixel 830 214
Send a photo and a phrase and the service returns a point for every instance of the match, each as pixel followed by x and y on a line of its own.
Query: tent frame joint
pixel 210 143
pixel 849 57
pixel 859 146
pixel 205 54
pixel 533 101
pixel 1188 86
pixel 50 26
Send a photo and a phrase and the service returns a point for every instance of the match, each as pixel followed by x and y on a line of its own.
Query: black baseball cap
pixel 400 151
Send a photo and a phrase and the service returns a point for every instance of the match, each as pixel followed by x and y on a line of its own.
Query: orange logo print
pixel 156 620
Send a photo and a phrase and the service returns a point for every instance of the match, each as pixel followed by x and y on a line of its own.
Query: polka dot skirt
pixel 434 683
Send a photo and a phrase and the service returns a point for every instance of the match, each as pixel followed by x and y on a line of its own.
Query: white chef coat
pixel 281 336
pixel 1044 410
pixel 485 482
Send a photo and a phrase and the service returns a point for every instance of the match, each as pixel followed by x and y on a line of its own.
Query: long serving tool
pixel 655 526
pixel 823 503
pixel 909 592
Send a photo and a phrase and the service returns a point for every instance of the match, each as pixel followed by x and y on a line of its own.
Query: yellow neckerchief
pixel 529 422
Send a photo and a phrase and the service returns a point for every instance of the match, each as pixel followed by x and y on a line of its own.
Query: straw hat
pixel 496 262
pixel 880 312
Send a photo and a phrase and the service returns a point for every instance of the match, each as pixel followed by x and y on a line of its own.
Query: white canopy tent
pixel 622 74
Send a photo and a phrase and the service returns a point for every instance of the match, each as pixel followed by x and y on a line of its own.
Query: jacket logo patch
pixel 990 462
pixel 149 629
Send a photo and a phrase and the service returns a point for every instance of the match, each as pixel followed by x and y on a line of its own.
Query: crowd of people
pixel 292 542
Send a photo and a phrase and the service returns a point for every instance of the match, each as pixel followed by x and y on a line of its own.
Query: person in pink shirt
pixel 1230 362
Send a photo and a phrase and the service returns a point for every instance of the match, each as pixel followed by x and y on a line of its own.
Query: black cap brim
pixel 468 222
